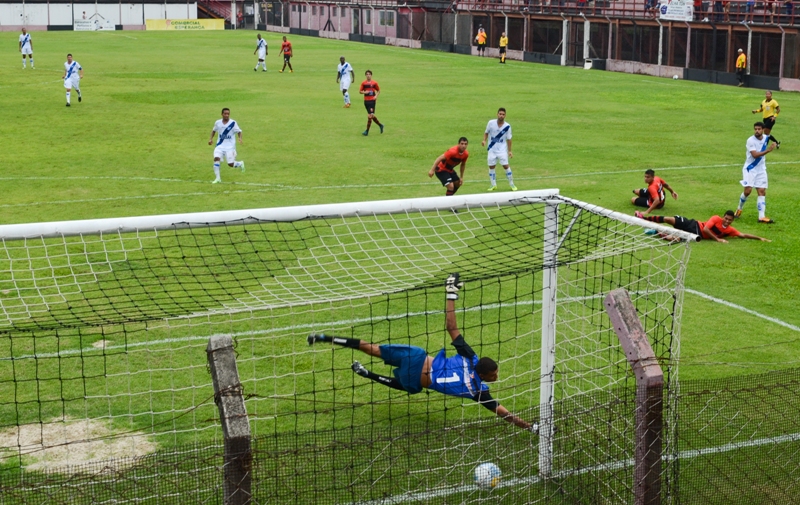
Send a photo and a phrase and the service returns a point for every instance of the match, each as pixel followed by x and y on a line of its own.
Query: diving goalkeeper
pixel 463 375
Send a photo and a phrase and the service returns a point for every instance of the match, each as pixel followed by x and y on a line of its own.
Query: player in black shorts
pixel 370 89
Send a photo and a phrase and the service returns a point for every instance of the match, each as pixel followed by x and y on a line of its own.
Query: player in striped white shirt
pixel 228 130
pixel 498 135
pixel 73 73
pixel 261 49
pixel 345 77
pixel 26 47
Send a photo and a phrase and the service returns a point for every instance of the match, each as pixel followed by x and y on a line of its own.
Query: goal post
pixel 104 325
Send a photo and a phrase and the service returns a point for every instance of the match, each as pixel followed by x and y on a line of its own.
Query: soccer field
pixel 137 145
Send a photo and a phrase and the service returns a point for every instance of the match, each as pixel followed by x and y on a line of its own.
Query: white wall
pixel 154 11
pixel 177 11
pixel 60 14
pixel 132 14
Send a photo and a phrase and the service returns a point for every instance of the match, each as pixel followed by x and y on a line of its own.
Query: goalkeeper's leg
pixel 391 382
pixel 352 343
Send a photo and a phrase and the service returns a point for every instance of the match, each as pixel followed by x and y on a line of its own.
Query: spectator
pixel 749 11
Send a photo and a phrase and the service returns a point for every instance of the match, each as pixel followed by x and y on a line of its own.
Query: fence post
pixel 649 396
pixel 238 458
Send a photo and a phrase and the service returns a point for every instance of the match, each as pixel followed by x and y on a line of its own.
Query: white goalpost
pixel 104 326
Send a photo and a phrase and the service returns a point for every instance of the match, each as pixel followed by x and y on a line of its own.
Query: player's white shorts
pixel 756 178
pixel 497 158
pixel 262 54
pixel 73 82
pixel 27 50
pixel 344 84
pixel 225 153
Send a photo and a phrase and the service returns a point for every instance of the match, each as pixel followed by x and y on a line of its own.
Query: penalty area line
pixel 744 309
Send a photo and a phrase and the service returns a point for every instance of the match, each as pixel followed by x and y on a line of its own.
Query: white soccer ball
pixel 487 475
pixel 675 76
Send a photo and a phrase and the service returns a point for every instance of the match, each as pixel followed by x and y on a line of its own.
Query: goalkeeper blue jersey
pixel 456 376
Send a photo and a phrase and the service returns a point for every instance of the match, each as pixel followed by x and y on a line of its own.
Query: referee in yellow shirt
pixel 741 66
pixel 770 110
pixel 503 46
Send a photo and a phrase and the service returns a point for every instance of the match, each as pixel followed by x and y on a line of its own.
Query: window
pixel 314 10
pixel 369 17
pixel 386 18
pixel 294 8
pixel 321 10
pixel 334 11
pixel 343 12
pixel 304 8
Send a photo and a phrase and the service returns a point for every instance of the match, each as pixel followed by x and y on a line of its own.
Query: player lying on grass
pixel 463 375
pixel 653 196
pixel 716 228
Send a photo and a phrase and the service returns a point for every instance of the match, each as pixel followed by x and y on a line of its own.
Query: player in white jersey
pixel 345 77
pixel 73 73
pixel 261 49
pixel 754 172
pixel 228 130
pixel 26 47
pixel 498 134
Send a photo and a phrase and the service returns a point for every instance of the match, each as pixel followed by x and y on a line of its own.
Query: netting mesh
pixel 102 339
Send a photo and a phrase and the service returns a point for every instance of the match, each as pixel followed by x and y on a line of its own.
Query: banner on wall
pixel 92 25
pixel 185 24
pixel 676 10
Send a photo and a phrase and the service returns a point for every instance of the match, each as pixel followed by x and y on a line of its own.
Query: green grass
pixel 137 145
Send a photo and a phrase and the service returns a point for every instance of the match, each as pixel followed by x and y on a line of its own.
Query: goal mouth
pixel 108 319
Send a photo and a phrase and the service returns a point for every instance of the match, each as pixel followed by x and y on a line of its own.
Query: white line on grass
pixel 614 465
pixel 744 309
pixel 281 187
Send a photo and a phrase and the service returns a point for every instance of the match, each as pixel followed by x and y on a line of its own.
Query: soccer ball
pixel 675 76
pixel 487 475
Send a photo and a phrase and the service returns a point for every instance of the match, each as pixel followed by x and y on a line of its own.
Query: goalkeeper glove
pixel 451 285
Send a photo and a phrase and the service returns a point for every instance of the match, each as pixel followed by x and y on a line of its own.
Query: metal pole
pixel 689 44
pixel 587 27
pixel 749 45
pixel 564 40
pixel 610 35
pixel 660 41
pixel 783 53
pixel 546 381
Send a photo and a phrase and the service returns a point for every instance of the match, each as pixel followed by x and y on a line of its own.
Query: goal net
pixel 104 325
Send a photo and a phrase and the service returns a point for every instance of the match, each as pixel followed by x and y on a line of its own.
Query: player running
pixel 769 110
pixel 345 77
pixel 653 196
pixel 444 165
pixel 286 49
pixel 716 228
pixel 261 49
pixel 463 375
pixel 228 130
pixel 370 90
pixel 754 172
pixel 498 133
pixel 73 73
pixel 26 47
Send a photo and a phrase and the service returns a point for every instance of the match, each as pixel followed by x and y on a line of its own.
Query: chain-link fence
pixel 738 441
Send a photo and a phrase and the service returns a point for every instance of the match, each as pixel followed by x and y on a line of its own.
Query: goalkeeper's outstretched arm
pixel 505 415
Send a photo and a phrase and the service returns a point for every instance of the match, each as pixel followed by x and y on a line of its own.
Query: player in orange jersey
pixel 716 228
pixel 653 196
pixel 444 166
pixel 370 90
pixel 286 49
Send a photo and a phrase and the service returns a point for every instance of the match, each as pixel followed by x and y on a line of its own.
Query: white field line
pixel 744 309
pixel 615 465
pixel 282 187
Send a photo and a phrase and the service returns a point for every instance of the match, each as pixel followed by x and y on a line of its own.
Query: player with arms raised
pixel 444 166
pixel 73 73
pixel 26 47
pixel 498 134
pixel 463 375
pixel 229 131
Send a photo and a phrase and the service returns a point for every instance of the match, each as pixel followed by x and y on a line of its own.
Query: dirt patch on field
pixel 72 442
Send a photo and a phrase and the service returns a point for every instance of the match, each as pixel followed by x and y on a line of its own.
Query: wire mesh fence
pixel 738 442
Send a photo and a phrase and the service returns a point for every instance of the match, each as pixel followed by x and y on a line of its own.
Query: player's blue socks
pixel 761 203
pixel 742 200
pixel 346 98
pixel 493 177
pixel 510 177
pixel 31 62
